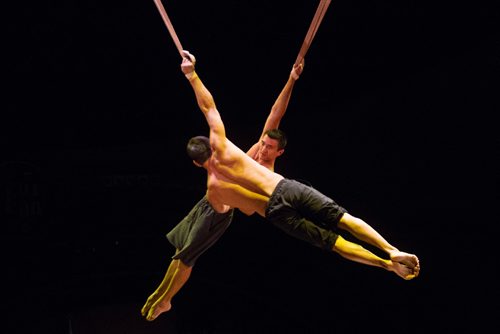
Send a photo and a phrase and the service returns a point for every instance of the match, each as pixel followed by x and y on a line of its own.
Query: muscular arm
pixel 206 103
pixel 279 107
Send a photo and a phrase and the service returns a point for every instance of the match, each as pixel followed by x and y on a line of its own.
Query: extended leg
pixel 160 301
pixel 357 253
pixel 362 231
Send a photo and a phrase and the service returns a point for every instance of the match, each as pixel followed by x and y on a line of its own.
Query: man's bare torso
pixel 236 180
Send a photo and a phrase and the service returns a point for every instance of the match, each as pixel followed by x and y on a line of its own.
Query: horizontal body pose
pixel 234 180
pixel 203 226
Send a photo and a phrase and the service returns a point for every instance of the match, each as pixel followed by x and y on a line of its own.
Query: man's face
pixel 269 149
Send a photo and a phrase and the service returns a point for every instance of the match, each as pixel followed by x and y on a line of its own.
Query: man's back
pixel 235 166
pixel 236 180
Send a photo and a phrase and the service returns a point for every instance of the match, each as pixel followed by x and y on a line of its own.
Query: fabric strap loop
pixel 313 28
pixel 169 25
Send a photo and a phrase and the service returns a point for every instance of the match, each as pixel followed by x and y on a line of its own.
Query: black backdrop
pixel 393 117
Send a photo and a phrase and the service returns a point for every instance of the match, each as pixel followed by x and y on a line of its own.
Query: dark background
pixel 393 117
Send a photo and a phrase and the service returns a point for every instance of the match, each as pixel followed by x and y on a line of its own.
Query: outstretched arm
pixel 280 105
pixel 205 102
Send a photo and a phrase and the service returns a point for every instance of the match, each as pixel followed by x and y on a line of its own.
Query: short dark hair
pixel 198 149
pixel 278 135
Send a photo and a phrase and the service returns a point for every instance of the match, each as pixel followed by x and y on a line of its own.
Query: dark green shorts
pixel 198 231
pixel 304 213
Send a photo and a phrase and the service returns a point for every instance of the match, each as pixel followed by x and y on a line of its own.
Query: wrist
pixel 191 75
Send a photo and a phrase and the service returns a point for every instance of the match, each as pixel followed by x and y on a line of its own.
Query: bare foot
pixel 154 306
pixel 151 300
pixel 410 260
pixel 403 271
pixel 158 308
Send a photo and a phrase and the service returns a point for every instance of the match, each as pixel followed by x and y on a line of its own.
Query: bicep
pixel 217 130
pixel 252 152
pixel 272 122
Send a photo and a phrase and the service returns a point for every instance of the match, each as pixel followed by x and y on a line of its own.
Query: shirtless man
pixel 203 226
pixel 234 180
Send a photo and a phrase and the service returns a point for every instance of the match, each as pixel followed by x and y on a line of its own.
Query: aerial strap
pixel 169 25
pixel 313 28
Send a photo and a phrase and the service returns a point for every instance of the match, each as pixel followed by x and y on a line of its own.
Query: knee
pixel 346 221
pixel 183 267
pixel 350 223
